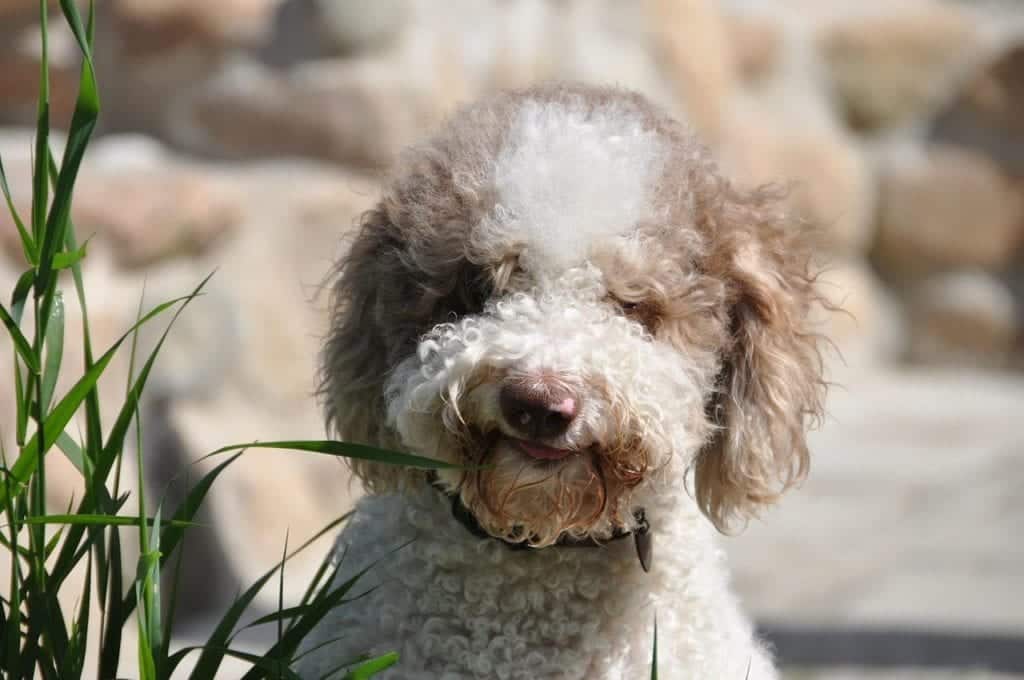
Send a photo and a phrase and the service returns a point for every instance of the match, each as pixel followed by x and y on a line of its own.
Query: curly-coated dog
pixel 560 294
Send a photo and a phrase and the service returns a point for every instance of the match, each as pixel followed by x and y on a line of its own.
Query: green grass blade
pixel 73 452
pixel 93 429
pixel 20 294
pixel 282 614
pixel 322 604
pixel 370 668
pixel 654 652
pixel 47 622
pixel 28 244
pixel 325 570
pixel 102 520
pixel 150 590
pixel 54 345
pixel 110 646
pixel 212 654
pixel 52 544
pixel 12 632
pixel 3 626
pixel 347 450
pixel 272 667
pixel 280 589
pixel 83 122
pixel 68 259
pixel 22 552
pixel 75 663
pixel 21 405
pixel 18 300
pixel 60 416
pixel 174 531
pixel 115 441
pixel 163 659
pixel 175 659
pixel 147 669
pixel 82 33
pixel 73 546
pixel 285 649
pixel 325 643
pixel 22 345
pixel 213 651
pixel 40 184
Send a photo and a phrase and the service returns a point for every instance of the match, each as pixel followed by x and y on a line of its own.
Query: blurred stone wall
pixel 247 135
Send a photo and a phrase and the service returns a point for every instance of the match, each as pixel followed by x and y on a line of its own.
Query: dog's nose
pixel 537 411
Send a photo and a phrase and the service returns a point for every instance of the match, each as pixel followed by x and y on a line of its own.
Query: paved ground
pixel 911 519
pixel 856 674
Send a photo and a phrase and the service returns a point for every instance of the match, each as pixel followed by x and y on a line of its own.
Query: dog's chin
pixel 529 491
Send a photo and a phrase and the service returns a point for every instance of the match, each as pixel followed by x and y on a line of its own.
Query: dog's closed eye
pixel 645 312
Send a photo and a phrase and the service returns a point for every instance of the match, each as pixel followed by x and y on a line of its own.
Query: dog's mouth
pixel 540 451
pixel 542 492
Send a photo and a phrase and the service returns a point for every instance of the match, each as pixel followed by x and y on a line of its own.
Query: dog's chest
pixel 452 603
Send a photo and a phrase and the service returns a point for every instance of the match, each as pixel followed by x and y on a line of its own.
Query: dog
pixel 561 296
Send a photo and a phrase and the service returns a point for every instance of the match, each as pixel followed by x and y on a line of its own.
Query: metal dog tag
pixel 644 546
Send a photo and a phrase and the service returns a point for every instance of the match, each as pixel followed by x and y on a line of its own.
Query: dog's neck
pixel 641 534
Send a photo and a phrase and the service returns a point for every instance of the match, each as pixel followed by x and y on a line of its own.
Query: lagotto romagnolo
pixel 562 294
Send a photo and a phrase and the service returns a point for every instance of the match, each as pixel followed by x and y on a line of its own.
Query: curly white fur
pixel 573 244
pixel 628 385
pixel 550 198
pixel 458 607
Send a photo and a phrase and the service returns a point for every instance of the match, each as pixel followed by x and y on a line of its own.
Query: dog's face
pixel 561 293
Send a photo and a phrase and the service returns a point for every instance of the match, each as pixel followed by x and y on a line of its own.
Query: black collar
pixel 642 535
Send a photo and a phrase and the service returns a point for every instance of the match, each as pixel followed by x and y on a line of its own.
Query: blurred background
pixel 247 135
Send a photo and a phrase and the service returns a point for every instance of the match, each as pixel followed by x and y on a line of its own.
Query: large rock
pixel 945 208
pixel 145 27
pixel 362 109
pixel 352 113
pixel 20 59
pixel 692 39
pixel 146 217
pixel 964 318
pixel 757 41
pixel 16 14
pixel 985 116
pixel 142 204
pixel 829 179
pixel 863 321
pixel 893 65
pixel 161 50
pixel 306 30
pixel 353 26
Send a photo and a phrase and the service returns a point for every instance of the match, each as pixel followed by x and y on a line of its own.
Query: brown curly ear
pixel 398 279
pixel 363 341
pixel 771 385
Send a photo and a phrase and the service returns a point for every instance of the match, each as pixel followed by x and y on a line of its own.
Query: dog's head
pixel 561 290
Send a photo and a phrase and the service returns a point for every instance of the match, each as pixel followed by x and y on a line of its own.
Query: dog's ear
pixel 363 339
pixel 396 281
pixel 771 386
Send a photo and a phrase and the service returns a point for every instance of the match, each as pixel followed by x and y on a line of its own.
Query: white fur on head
pixel 567 177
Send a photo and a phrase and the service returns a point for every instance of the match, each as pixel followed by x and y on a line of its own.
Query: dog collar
pixel 642 536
